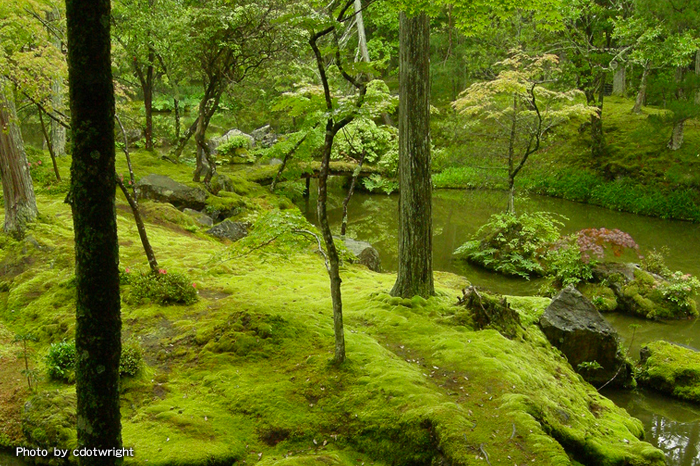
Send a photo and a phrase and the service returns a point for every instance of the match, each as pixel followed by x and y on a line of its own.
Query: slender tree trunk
pixel 176 106
pixel 17 187
pixel 333 259
pixel 92 194
pixel 598 149
pixel 58 132
pixel 205 165
pixel 287 156
pixel 49 143
pixel 642 93
pixel 133 200
pixel 676 140
pixel 415 259
pixel 351 190
pixel 182 142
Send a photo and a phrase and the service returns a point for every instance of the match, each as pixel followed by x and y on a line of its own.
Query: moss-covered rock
pixel 671 369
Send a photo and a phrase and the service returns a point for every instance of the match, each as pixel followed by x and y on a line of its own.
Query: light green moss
pixel 672 369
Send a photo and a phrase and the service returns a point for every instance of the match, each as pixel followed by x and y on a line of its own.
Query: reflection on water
pixel 672 426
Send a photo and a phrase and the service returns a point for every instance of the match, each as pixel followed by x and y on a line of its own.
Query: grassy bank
pixel 244 375
pixel 638 174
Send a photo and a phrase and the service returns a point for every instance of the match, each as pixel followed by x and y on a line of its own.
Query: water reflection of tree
pixel 680 441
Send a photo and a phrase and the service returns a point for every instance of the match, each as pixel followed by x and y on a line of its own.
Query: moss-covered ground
pixel 244 376
pixel 638 173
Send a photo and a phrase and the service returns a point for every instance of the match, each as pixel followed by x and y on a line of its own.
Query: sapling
pixel 30 374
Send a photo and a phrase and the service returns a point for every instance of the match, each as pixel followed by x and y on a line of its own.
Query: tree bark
pixel 333 258
pixel 17 187
pixel 58 132
pixel 642 93
pixel 361 36
pixel 92 194
pixel 511 157
pixel 619 80
pixel 415 258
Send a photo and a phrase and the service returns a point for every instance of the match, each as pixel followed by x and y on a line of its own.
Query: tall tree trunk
pixel 176 106
pixel 182 141
pixel 642 93
pixel 58 132
pixel 415 259
pixel 619 80
pixel 361 36
pixel 17 187
pixel 676 140
pixel 92 194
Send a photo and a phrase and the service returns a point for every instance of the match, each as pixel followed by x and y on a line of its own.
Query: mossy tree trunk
pixel 92 192
pixel 415 259
pixel 642 93
pixel 17 187
pixel 620 80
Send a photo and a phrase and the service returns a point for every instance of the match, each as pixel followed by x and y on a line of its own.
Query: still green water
pixel 671 425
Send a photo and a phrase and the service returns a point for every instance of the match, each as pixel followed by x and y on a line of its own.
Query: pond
pixel 458 214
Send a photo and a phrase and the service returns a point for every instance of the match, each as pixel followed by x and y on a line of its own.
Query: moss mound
pixel 671 369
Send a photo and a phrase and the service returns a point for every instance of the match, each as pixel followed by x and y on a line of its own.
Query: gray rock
pixel 573 324
pixel 200 217
pixel 163 189
pixel 221 182
pixel 606 270
pixel 229 230
pixel 364 252
pixel 264 136
pixel 214 143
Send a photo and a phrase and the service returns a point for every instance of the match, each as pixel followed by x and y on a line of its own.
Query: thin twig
pixel 320 248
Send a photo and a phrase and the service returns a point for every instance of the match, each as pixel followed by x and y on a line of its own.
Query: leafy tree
pixel 17 187
pixel 524 107
pixel 92 198
pixel 228 40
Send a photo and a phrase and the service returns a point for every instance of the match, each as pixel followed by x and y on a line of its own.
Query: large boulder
pixel 364 252
pixel 573 324
pixel 229 230
pixel 164 189
pixel 214 143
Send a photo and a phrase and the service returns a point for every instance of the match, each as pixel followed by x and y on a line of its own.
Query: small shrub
pixel 655 262
pixel 234 143
pixel 513 245
pixel 161 288
pixel 60 361
pixel 594 242
pixel 679 290
pixel 566 263
pixel 131 360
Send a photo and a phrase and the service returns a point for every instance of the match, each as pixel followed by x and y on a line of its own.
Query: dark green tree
pixel 92 198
